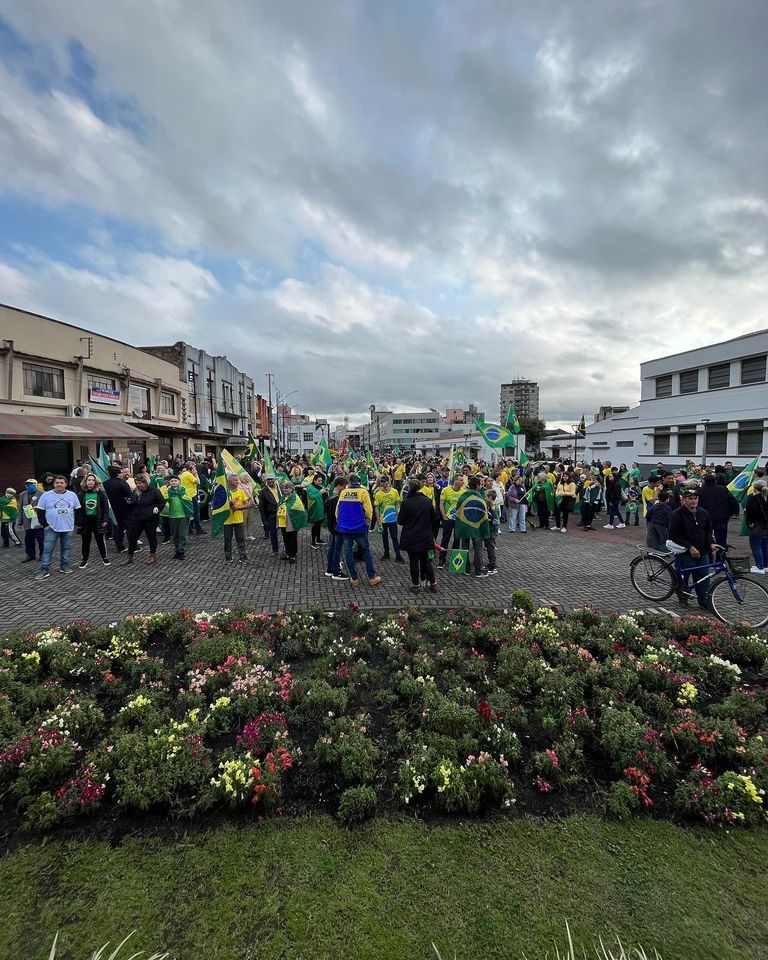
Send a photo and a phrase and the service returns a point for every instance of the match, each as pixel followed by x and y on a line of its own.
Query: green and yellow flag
pixel 524 458
pixel 742 482
pixel 9 509
pixel 322 455
pixel 218 509
pixel 495 435
pixel 512 422
pixel 251 450
pixel 582 427
pixel 295 514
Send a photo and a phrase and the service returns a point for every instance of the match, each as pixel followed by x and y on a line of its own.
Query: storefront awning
pixel 20 426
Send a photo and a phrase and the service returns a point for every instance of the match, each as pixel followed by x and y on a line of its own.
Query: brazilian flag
pixel 512 422
pixel 295 514
pixel 250 450
pixel 218 507
pixel 9 509
pixel 471 516
pixel 495 435
pixel 582 427
pixel 457 561
pixel 315 503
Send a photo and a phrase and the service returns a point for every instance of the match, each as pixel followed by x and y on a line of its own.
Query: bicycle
pixel 731 596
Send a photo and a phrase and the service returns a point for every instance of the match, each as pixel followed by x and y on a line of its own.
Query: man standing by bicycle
pixel 691 527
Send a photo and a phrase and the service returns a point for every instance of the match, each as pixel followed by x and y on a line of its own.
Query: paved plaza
pixel 566 570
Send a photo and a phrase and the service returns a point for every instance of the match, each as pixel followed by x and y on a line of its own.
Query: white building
pixel 710 403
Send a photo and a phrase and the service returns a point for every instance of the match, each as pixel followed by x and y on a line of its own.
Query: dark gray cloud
pixel 486 188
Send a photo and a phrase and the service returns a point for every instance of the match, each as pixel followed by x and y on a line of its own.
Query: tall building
pixel 524 397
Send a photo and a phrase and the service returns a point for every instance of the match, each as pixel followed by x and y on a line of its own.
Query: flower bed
pixel 446 712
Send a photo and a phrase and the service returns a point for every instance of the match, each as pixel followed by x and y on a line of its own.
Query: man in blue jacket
pixel 353 517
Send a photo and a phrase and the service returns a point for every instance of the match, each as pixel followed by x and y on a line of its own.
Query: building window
pixel 717 439
pixel 750 438
pixel 753 370
pixel 167 404
pixel 686 440
pixel 664 386
pixel 226 396
pixel 719 376
pixel 625 443
pixel 139 401
pixel 42 381
pixel 101 383
pixel 308 437
pixel 661 442
pixel 689 381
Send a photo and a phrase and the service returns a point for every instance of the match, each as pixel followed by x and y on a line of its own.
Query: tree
pixel 533 430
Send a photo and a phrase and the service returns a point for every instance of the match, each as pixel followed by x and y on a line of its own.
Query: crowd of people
pixel 433 510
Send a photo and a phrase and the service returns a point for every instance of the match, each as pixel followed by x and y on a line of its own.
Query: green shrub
pixel 522 600
pixel 357 804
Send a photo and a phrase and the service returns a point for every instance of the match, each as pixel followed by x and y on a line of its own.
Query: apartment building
pixel 523 395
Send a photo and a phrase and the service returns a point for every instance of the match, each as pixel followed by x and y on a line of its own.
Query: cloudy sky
pixel 402 203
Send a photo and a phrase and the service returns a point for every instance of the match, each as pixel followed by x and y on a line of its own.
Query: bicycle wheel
pixel 749 608
pixel 652 577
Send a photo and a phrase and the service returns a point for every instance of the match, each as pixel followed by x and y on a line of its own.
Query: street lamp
pixel 705 421
pixel 281 398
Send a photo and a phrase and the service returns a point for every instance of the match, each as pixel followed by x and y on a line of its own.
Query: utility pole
pixel 270 377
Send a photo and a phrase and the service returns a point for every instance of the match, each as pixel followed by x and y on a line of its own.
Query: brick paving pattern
pixel 566 570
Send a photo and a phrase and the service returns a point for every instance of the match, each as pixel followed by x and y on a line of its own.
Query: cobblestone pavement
pixel 566 570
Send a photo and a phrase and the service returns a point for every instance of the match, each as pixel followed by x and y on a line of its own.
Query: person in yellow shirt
pixel 386 504
pixel 398 475
pixel 650 494
pixel 190 480
pixel 234 525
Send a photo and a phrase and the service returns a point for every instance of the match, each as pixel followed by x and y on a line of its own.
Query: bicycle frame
pixel 715 567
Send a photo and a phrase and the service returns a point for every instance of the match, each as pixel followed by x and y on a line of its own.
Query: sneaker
pixel 314 546
pixel 620 526
pixel 107 563
pixel 82 565
pixel 291 559
pixel 229 560
pixel 321 543
pixel 607 526
pixel 352 583
pixel 492 571
pixel 250 538
pixel 328 573
pixel 28 560
pixel 123 550
pixel 482 574
pixel 374 581
pixel 756 570
pixel 414 588
pixel 138 547
pixel 43 575
pixel 563 530
pixel 243 560
pixel 139 543
pixel 164 542
pixel 339 576
pixel 66 570
pixel 399 560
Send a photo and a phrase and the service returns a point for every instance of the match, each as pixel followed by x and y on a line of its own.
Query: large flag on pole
pixel 524 458
pixel 103 456
pixel 322 455
pixel 250 450
pixel 231 465
pixel 218 509
pixel 582 427
pixel 268 466
pixel 99 472
pixel 741 483
pixel 495 435
pixel 513 423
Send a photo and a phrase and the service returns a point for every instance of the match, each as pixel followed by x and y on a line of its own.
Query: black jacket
pixel 691 528
pixel 330 512
pixel 268 504
pixel 416 515
pixel 756 514
pixel 144 503
pixel 718 501
pixel 659 516
pixel 120 497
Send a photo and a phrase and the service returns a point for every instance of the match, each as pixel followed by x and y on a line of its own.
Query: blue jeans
pixel 702 589
pixel 390 530
pixel 49 545
pixel 516 517
pixel 448 528
pixel 361 538
pixel 614 510
pixel 271 528
pixel 758 544
pixel 335 541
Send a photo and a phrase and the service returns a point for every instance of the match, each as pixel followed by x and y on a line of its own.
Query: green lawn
pixel 310 888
